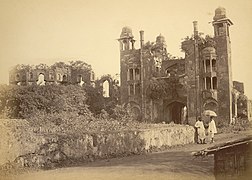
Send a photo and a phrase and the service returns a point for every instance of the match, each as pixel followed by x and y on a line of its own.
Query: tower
pixel 130 71
pixel 221 26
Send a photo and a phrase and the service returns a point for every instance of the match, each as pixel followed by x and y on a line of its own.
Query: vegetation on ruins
pixel 159 88
pixel 62 108
pixel 65 108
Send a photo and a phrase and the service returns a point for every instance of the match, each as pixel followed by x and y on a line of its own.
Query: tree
pixel 25 101
pixel 60 65
pixel 41 66
pixel 159 88
pixel 80 65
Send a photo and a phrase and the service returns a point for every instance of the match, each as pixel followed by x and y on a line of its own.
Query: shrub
pixel 122 113
pixel 24 101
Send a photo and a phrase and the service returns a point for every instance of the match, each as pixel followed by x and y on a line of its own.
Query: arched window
pixel 131 89
pixel 79 78
pixel 105 87
pixel 51 76
pixel 208 83
pixel 31 75
pixel 59 77
pixel 64 78
pixel 41 79
pixel 208 69
pixel 214 64
pixel 17 77
pixel 131 76
pixel 137 89
pixel 92 76
pixel 137 74
pixel 214 82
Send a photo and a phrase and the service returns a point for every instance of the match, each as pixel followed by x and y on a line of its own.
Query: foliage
pixel 59 65
pixel 242 106
pixel 207 42
pixel 239 125
pixel 156 88
pixel 24 101
pixel 95 99
pixel 41 66
pixel 80 65
pixel 148 45
pixel 23 67
pixel 159 88
pixel 122 113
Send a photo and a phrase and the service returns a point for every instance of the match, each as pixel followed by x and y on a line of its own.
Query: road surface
pixel 176 163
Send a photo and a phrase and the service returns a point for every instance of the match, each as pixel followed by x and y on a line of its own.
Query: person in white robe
pixel 200 130
pixel 212 129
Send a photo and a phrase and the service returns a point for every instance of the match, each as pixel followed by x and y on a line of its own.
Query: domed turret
pixel 126 32
pixel 160 39
pixel 220 13
pixel 126 39
pixel 208 50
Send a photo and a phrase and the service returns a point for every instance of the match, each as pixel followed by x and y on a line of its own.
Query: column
pixel 134 88
pixel 211 65
pixel 128 74
pixel 205 65
pixel 134 74
pixel 205 85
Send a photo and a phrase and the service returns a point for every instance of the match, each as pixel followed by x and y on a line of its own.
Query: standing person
pixel 212 129
pixel 200 131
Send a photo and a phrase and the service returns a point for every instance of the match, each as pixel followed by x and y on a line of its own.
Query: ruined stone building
pixel 43 74
pixel 162 88
pixel 61 73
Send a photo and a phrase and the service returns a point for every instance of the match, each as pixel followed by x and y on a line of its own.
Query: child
pixel 200 131
pixel 212 129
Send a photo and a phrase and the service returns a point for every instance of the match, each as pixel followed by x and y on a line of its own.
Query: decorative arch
pixel 135 109
pixel 106 83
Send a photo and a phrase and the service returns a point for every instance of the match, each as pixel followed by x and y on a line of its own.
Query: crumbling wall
pixel 16 139
pixel 53 150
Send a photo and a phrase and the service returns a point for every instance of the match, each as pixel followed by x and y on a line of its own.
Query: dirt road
pixel 176 163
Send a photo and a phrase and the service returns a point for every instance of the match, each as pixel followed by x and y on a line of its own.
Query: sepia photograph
pixel 125 90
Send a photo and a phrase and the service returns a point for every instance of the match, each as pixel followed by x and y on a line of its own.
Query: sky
pixel 48 31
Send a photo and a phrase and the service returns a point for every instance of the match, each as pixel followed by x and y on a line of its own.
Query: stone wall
pixel 54 150
pixel 16 139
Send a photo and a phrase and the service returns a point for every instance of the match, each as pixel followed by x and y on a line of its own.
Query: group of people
pixel 201 130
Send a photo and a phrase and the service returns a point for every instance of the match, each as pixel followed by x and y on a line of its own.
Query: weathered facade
pixel 42 74
pixel 161 88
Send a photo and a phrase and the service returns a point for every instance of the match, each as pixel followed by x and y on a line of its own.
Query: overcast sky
pixel 46 31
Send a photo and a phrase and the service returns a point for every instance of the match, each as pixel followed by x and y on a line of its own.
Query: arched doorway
pixel 175 112
pixel 136 113
pixel 135 110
